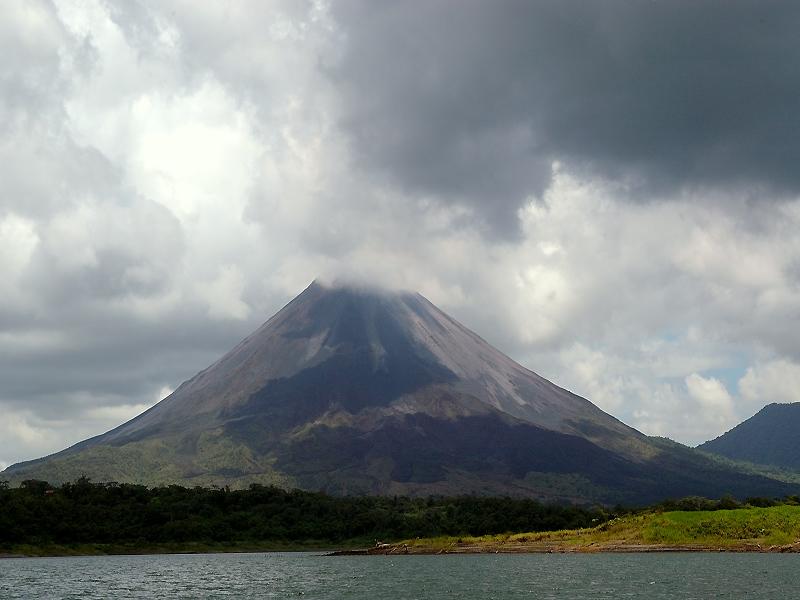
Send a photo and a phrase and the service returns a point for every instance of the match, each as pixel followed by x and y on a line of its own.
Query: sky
pixel 608 192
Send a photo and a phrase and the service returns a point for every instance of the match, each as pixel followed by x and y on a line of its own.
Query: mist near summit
pixel 607 193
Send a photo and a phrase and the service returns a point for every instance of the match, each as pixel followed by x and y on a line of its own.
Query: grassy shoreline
pixel 775 529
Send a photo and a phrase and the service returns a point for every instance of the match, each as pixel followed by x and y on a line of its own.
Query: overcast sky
pixel 606 191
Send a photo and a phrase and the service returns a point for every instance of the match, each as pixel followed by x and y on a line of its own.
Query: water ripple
pixel 311 576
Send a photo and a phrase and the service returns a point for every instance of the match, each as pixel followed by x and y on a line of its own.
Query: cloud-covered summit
pixel 605 191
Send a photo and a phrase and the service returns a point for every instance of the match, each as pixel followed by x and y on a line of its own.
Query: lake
pixel 309 575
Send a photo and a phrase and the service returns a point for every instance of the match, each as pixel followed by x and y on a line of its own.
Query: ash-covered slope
pixel 346 350
pixel 770 437
pixel 355 390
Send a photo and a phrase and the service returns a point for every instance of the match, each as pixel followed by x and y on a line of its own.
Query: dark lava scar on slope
pixel 352 379
pixel 423 448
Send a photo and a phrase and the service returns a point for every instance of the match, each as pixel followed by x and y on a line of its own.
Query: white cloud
pixel 774 381
pixel 710 393
pixel 18 240
pixel 113 415
pixel 633 387
pixel 224 294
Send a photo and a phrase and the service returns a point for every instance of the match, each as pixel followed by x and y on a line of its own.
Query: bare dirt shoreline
pixel 403 549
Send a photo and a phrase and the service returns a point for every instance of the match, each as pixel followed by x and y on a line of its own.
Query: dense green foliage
pixel 84 512
pixel 698 503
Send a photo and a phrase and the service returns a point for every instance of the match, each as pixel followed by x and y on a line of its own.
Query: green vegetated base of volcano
pixel 353 390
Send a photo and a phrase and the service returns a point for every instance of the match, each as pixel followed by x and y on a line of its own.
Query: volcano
pixel 354 390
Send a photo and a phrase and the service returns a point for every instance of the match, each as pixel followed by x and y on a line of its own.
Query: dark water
pixel 476 576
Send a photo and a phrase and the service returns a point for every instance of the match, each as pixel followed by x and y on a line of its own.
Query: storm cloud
pixel 605 191
pixel 473 101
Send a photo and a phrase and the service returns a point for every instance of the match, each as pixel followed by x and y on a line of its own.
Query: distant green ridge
pixel 770 437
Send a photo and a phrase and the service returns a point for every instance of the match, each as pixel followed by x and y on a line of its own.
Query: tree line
pixel 84 512
pixel 38 513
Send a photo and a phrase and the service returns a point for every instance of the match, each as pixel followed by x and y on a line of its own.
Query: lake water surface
pixel 308 575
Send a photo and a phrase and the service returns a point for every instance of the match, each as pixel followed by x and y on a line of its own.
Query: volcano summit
pixel 359 391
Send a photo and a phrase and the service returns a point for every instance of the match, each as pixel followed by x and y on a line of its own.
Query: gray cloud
pixel 472 101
